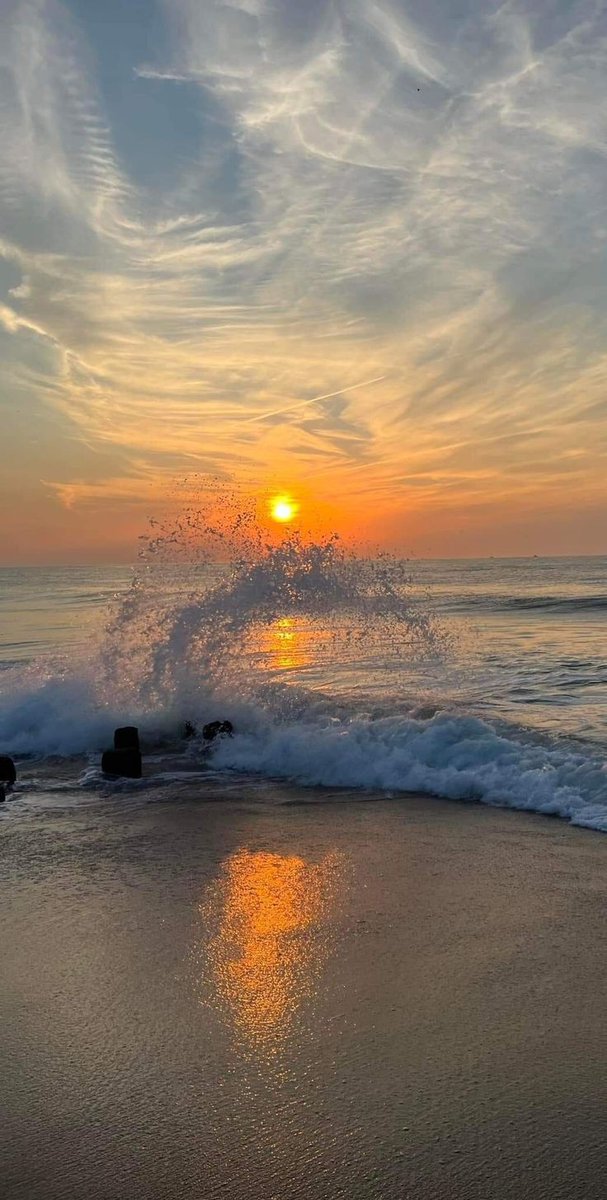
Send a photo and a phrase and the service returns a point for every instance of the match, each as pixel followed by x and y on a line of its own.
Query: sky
pixel 351 250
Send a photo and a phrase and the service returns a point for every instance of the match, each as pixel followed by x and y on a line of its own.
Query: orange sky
pixel 219 256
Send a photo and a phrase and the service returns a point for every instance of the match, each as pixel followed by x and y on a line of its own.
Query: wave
pixel 564 604
pixel 452 756
pixel 209 641
pixel 449 755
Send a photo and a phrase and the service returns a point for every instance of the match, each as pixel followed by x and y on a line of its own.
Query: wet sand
pixel 344 998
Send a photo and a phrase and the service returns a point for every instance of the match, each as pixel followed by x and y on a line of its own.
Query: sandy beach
pixel 274 993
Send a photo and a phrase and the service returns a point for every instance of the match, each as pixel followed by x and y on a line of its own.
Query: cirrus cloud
pixel 377 263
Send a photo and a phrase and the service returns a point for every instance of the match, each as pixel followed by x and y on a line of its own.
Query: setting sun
pixel 282 508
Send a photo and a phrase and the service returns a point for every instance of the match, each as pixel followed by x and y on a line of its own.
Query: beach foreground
pixel 302 994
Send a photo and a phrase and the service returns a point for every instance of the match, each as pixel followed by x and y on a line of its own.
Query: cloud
pixel 378 191
pixel 299 404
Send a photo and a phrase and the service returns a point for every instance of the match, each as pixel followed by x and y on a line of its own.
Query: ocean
pixel 343 954
pixel 481 680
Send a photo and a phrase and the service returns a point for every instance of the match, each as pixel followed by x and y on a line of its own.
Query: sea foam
pixel 448 755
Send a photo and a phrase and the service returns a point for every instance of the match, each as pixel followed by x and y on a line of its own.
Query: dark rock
pixel 126 738
pixel 189 730
pixel 217 729
pixel 125 762
pixel 2 793
pixel 8 773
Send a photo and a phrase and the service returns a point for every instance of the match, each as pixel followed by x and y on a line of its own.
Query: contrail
pixel 277 412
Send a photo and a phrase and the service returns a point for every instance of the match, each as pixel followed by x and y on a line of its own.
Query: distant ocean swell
pixel 564 604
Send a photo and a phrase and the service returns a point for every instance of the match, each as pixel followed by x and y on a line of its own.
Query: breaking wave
pixel 222 618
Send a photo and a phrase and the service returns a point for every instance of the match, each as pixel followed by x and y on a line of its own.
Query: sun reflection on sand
pixel 271 940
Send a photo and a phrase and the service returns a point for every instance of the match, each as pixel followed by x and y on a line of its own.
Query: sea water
pixel 475 680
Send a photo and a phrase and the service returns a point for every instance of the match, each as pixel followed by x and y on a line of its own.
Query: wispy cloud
pixel 295 406
pixel 375 191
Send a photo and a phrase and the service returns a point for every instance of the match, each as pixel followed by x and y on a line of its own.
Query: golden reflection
pixel 284 646
pixel 289 645
pixel 271 940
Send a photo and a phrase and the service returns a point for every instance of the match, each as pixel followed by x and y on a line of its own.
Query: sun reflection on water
pixel 284 646
pixel 291 645
pixel 271 939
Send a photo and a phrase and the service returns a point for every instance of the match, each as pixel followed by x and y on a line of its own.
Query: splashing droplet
pixel 216 609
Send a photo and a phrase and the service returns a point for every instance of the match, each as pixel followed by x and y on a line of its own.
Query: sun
pixel 282 508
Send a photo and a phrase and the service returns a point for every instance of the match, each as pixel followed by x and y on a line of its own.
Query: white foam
pixel 64 716
pixel 457 757
pixel 450 755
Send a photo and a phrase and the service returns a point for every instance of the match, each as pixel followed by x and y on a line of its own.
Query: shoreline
pixel 48 780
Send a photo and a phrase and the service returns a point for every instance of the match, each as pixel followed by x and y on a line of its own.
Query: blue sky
pixel 353 248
